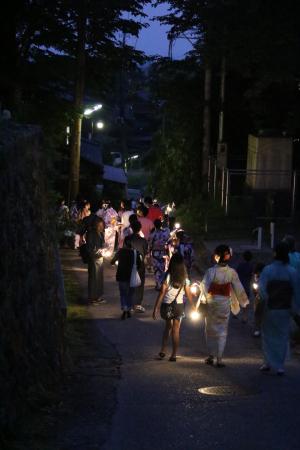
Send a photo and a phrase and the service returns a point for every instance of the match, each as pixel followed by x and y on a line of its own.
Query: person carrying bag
pixel 170 303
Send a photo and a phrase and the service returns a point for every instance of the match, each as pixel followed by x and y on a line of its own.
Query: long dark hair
pixel 177 270
pixel 95 222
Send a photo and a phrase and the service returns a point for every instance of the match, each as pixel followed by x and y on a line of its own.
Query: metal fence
pixel 270 193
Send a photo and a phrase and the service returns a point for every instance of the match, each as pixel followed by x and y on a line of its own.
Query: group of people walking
pixel 134 239
pixel 277 299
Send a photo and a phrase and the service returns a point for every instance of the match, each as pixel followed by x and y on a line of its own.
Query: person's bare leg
pixel 175 337
pixel 166 335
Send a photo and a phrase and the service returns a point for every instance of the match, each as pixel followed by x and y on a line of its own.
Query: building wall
pixel 269 154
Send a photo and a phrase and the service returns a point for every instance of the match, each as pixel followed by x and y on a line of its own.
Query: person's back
pixel 154 213
pixel 147 226
pixel 137 242
pixel 125 262
pixel 294 257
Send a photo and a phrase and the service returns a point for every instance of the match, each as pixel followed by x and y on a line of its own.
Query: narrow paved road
pixel 159 403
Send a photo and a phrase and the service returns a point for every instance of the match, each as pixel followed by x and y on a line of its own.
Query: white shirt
pixel 172 292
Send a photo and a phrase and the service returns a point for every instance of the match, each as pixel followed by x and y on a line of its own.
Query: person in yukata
pixel 157 245
pixel 280 295
pixel 294 257
pixel 107 212
pixel 220 288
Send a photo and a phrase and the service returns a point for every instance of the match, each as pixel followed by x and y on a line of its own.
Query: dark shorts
pixel 170 311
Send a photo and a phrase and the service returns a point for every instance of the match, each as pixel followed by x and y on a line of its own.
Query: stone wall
pixel 31 320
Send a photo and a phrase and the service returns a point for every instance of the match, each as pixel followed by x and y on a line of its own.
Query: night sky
pixel 153 40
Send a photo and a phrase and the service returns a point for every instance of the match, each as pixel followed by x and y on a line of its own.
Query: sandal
pixel 220 365
pixel 172 358
pixel 161 355
pixel 209 360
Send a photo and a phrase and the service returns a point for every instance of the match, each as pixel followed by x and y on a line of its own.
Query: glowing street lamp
pixel 100 125
pixel 89 111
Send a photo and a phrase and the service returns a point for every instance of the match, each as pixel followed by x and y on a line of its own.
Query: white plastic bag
pixel 135 279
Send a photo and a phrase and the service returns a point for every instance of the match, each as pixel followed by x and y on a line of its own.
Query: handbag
pixel 135 279
pixel 170 308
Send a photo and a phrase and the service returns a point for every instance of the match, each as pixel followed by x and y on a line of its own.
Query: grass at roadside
pixel 77 316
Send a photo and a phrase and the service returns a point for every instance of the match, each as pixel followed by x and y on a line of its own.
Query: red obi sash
pixel 219 289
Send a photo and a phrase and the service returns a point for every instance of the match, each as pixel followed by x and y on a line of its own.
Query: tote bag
pixel 135 280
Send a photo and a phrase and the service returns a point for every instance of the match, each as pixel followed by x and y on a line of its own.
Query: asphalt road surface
pixel 159 406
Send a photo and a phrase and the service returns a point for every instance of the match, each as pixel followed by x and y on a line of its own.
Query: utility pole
pixel 222 147
pixel 206 121
pixel 78 102
pixel 123 140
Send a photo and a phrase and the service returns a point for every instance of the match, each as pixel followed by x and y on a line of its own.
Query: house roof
pixel 91 151
pixel 116 174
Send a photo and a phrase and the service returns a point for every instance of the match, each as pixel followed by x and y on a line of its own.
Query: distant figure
pixel 136 242
pixel 280 296
pixel 245 273
pixel 147 224
pixel 157 246
pixel 95 245
pixel 154 212
pixel 125 259
pixel 294 257
pixel 125 224
pixel 107 212
pixel 83 212
pixel 170 303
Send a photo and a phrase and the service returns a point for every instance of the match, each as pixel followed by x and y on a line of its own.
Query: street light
pixel 130 158
pixel 100 125
pixel 87 112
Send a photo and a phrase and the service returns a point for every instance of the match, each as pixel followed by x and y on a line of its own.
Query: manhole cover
pixel 227 391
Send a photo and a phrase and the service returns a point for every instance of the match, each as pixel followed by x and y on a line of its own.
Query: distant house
pixel 112 179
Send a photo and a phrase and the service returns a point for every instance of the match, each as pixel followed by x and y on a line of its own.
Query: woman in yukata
pixel 220 287
pixel 157 242
pixel 280 296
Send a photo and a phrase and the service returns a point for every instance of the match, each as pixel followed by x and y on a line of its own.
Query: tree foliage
pixel 260 42
pixel 175 156
pixel 38 61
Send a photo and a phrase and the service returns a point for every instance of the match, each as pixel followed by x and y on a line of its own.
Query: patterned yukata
pixel 107 215
pixel 157 241
pixel 276 322
pixel 186 249
pixel 218 311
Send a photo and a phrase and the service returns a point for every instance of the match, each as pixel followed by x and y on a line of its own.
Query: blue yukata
pixel 276 322
pixel 294 258
pixel 157 241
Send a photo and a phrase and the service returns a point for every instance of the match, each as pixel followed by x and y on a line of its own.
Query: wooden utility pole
pixel 206 120
pixel 122 113
pixel 78 102
pixel 222 147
